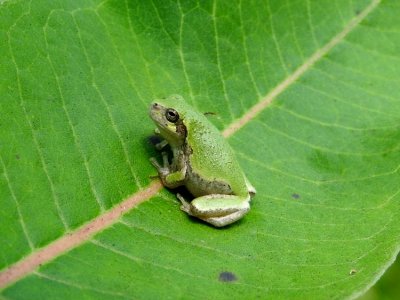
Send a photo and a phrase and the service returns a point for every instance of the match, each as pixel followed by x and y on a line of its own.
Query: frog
pixel 201 160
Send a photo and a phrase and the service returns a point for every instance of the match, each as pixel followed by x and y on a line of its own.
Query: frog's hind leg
pixel 250 188
pixel 226 220
pixel 218 210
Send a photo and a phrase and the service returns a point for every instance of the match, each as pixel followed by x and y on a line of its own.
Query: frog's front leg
pixel 163 143
pixel 159 146
pixel 218 210
pixel 170 178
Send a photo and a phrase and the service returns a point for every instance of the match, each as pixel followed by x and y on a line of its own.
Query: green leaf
pixel 305 91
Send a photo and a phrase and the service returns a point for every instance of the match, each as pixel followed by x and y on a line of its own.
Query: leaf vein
pixel 34 138
pixel 221 77
pixel 17 205
pixel 106 105
pixel 71 126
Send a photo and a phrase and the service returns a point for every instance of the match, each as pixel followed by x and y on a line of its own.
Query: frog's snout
pixel 154 107
pixel 156 112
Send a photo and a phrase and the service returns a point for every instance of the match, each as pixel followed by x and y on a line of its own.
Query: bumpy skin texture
pixel 202 161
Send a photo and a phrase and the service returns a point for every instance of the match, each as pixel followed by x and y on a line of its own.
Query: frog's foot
pixel 169 178
pixel 185 204
pixel 250 188
pixel 163 170
pixel 218 210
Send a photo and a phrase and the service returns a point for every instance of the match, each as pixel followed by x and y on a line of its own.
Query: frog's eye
pixel 172 115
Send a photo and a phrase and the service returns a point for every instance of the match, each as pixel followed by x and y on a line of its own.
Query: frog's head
pixel 168 115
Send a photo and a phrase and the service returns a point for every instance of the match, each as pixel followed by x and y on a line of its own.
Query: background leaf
pixel 76 81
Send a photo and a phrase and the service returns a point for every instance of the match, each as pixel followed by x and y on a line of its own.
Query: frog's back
pixel 212 157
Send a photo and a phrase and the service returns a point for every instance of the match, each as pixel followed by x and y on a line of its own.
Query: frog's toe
pixel 162 171
pixel 155 163
pixel 165 159
pixel 185 205
pixel 250 188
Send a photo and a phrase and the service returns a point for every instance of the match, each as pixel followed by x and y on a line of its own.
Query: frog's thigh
pixel 225 220
pixel 218 206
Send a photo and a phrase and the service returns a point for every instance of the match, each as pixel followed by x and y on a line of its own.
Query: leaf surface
pixel 305 92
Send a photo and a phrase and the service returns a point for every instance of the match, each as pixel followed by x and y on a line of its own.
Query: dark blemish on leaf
pixel 17 156
pixel 357 12
pixel 212 115
pixel 295 196
pixel 227 277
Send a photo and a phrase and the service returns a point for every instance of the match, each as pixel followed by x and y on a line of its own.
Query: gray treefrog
pixel 202 161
